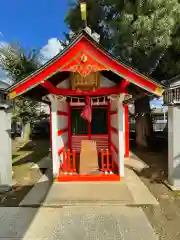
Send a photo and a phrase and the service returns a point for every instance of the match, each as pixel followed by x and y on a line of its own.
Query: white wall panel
pixel 104 82
pixel 117 122
pixel 65 84
pixel 113 105
pixel 114 121
pixel 62 123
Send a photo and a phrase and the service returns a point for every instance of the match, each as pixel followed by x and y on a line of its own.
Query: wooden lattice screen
pixel 172 96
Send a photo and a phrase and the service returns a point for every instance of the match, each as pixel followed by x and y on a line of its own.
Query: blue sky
pixel 157 103
pixel 32 22
pixel 36 24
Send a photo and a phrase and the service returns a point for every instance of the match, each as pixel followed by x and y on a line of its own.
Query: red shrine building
pixel 87 90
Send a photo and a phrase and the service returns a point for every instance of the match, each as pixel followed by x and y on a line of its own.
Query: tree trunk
pixel 143 125
pixel 25 131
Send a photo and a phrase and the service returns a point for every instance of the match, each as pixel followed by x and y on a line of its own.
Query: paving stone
pixel 139 191
pixel 101 223
pixel 88 193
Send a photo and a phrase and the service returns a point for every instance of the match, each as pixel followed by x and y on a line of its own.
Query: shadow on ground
pixel 24 175
pixel 20 218
pixel 16 220
pixel 37 148
pixel 14 197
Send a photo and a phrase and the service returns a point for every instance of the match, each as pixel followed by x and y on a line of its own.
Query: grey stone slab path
pixel 75 223
pixel 88 193
pixel 140 193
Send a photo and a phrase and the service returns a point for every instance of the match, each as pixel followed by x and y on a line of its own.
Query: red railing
pixel 69 162
pixel 106 163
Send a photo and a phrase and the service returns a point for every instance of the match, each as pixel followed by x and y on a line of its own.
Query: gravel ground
pixel 21 188
pixel 164 218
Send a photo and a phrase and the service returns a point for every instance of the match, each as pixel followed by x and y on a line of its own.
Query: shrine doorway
pixel 96 130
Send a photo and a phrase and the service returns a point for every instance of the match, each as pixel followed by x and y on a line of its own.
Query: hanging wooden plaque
pixel 88 83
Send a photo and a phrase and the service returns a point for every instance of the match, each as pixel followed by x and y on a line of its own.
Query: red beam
pixel 60 151
pixel 123 84
pixel 113 112
pixel 49 86
pixel 61 113
pixel 60 132
pixel 114 130
pixel 89 178
pixel 114 147
pixel 102 91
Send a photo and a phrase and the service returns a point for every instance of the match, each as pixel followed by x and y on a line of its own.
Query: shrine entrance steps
pixel 88 193
pixel 128 192
pixel 69 171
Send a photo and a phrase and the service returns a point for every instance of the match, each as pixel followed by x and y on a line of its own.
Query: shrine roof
pixel 173 82
pixel 84 45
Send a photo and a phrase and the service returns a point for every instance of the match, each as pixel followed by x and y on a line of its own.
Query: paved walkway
pixel 75 223
pixel 82 211
pixel 129 191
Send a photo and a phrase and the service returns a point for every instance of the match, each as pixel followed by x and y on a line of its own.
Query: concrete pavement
pixel 88 193
pixel 82 211
pixel 75 223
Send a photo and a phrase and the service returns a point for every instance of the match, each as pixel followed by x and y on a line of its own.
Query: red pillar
pixel 89 130
pixel 126 115
pixel 109 127
pixel 50 128
pixel 69 127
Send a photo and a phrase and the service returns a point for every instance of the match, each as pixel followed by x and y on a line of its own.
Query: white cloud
pixel 50 50
pixel 3 44
pixel 157 103
pixel 3 76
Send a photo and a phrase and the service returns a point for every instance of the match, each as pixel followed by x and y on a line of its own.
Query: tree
pixel 143 34
pixel 97 14
pixel 18 64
